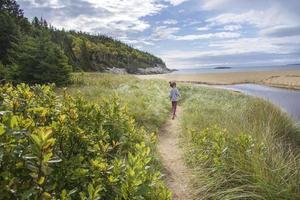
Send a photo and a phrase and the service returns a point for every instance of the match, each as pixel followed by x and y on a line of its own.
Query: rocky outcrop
pixel 142 71
pixel 153 70
pixel 116 70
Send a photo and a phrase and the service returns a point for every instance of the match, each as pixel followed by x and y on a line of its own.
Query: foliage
pixel 98 53
pixel 41 61
pixel 9 37
pixel 27 54
pixel 239 147
pixel 66 148
pixel 147 100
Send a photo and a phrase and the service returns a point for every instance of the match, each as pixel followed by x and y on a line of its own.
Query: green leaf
pixel 36 140
pixel 13 122
pixel 46 196
pixel 2 129
pixel 41 180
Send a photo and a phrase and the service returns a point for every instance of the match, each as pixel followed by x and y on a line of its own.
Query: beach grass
pixel 239 147
pixel 146 100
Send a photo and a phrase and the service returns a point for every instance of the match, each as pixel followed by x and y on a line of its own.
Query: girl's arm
pixel 178 93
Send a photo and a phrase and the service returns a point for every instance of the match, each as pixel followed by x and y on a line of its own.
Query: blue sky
pixel 187 33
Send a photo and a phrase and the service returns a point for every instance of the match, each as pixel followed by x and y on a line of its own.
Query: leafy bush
pixel 66 148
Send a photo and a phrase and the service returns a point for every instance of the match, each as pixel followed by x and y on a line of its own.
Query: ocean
pixel 237 69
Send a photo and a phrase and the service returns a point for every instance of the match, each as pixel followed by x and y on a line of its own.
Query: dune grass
pixel 146 100
pixel 239 147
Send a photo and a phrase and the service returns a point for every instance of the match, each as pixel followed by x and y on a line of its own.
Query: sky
pixel 187 33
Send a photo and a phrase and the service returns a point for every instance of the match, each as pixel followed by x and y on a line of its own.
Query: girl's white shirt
pixel 174 94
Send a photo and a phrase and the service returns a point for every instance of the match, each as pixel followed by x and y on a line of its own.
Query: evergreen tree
pixel 85 60
pixel 12 8
pixel 9 36
pixel 3 73
pixel 41 61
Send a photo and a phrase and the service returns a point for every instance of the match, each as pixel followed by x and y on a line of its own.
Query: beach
pixel 285 79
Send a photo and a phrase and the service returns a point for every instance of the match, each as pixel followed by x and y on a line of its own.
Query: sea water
pixel 237 69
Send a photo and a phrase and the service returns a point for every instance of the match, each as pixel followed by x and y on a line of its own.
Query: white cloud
pixel 232 27
pixel 213 4
pixel 170 22
pixel 281 31
pixel 170 33
pixel 136 42
pixel 176 2
pixel 204 28
pixel 262 14
pixel 164 32
pixel 113 17
pixel 219 35
pixel 260 19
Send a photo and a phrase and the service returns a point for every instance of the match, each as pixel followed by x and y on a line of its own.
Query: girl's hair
pixel 172 84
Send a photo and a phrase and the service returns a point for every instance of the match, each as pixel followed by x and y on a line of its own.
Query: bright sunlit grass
pixel 147 101
pixel 240 147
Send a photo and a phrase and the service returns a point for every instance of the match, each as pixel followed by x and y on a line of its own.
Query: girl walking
pixel 174 95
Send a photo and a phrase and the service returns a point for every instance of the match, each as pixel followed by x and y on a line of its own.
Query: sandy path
pixel 177 174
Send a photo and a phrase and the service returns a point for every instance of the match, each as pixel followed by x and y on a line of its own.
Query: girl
pixel 174 94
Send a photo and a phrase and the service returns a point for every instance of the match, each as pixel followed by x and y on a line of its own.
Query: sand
pixel 286 79
pixel 177 174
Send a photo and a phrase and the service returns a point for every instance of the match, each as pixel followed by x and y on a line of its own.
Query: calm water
pixel 236 69
pixel 288 100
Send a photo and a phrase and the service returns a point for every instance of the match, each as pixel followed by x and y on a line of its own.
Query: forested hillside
pixel 97 53
pixel 36 52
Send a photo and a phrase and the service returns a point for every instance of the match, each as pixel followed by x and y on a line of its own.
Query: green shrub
pixel 66 148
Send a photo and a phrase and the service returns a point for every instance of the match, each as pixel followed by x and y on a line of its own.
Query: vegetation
pixel 67 148
pixel 31 52
pixel 147 100
pixel 239 147
pixel 98 53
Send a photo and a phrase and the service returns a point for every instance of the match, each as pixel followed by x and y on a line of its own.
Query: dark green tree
pixel 9 37
pixel 85 58
pixel 42 61
pixel 12 8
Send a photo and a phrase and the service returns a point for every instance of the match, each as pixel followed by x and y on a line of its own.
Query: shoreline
pixel 288 79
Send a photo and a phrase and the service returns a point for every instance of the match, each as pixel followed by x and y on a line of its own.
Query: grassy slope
pixel 240 147
pixel 147 101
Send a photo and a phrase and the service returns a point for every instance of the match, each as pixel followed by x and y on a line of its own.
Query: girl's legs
pixel 174 106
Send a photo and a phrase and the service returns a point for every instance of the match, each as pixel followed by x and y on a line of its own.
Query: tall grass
pixel 240 147
pixel 146 100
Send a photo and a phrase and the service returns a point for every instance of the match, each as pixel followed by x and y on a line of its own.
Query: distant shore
pixel 284 79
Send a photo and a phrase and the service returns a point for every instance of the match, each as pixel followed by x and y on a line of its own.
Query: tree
pixel 12 8
pixel 9 36
pixel 41 61
pixel 85 58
